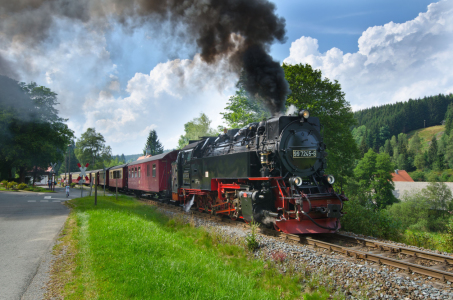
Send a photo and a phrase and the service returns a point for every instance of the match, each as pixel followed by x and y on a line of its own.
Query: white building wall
pixel 410 187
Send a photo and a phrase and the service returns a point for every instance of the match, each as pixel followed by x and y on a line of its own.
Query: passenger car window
pixel 139 172
pixel 154 170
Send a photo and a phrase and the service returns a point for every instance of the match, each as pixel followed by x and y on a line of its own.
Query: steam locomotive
pixel 271 172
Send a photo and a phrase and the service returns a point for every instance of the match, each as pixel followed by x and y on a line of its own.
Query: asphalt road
pixel 29 224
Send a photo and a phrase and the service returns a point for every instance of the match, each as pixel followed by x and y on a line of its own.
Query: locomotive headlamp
pixel 296 181
pixel 304 113
pixel 330 179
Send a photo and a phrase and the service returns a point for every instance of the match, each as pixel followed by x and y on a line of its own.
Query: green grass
pixel 428 240
pixel 127 250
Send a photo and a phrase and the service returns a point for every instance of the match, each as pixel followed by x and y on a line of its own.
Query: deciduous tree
pixel 373 174
pixel 91 148
pixel 31 132
pixel 242 110
pixel 325 99
pixel 196 129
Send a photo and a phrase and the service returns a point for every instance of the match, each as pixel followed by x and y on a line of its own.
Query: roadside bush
pixel 28 189
pixel 368 220
pixel 4 183
pixel 22 186
pixel 73 184
pixel 11 185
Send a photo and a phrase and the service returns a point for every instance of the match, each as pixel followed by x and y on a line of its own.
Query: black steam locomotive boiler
pixel 270 172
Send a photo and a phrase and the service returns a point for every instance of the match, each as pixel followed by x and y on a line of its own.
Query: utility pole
pixel 69 164
pixel 95 192
pixel 105 176
pixel 65 168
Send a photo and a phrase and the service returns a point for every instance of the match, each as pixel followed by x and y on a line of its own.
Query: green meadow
pixel 123 249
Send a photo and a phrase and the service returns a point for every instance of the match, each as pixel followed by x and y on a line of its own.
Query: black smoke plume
pixel 241 31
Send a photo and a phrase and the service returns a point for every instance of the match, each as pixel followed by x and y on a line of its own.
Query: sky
pixel 125 81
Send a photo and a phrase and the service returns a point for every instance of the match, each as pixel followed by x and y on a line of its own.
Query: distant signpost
pixel 81 176
pixel 53 165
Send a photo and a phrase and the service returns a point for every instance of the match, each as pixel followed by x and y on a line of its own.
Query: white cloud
pixel 172 94
pixel 77 65
pixel 395 62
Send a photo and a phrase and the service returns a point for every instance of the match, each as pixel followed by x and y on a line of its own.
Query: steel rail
pixel 380 259
pixel 404 250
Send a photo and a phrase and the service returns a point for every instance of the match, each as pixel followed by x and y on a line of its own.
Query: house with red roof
pixel 401 175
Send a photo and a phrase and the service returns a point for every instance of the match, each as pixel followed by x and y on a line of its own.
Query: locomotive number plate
pixel 304 153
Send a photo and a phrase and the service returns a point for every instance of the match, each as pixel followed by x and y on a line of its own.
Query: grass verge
pixel 123 249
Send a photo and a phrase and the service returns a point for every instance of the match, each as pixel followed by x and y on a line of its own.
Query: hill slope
pixel 426 134
pixel 405 116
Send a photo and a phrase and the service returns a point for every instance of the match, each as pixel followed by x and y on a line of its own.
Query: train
pixel 271 172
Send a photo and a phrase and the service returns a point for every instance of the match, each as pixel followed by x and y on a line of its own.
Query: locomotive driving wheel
pixel 200 203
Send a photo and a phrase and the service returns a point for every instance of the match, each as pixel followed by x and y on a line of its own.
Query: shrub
pixel 419 239
pixel 449 234
pixel 11 185
pixel 73 184
pixel 252 243
pixel 445 176
pixel 418 176
pixel 4 183
pixel 412 211
pixel 22 186
pixel 28 189
pixel 368 220
pixel 432 177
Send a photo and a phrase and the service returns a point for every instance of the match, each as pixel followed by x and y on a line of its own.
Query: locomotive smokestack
pixel 240 31
pixel 265 79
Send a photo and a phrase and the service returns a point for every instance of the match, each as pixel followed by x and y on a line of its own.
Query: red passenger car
pixel 118 177
pixel 74 176
pixel 103 178
pixel 94 176
pixel 152 174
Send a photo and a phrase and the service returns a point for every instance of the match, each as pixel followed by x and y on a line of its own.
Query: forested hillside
pixel 392 119
pixel 399 131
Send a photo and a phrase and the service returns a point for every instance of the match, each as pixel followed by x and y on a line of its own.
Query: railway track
pixel 411 260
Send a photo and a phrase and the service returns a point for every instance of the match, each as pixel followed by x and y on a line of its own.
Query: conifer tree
pixel 432 153
pixel 449 151
pixel 153 144
pixel 449 119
